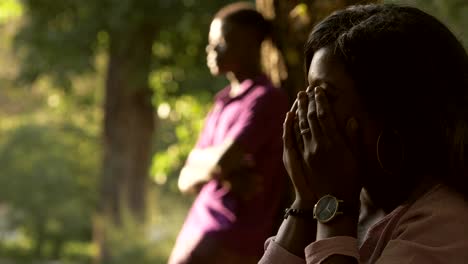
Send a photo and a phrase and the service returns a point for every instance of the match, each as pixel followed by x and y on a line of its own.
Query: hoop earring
pixel 379 159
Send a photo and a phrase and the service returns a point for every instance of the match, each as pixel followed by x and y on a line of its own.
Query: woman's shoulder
pixel 438 217
pixel 433 229
pixel 441 201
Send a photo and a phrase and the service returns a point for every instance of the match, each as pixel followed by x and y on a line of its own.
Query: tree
pixel 71 33
pixel 69 39
pixel 61 39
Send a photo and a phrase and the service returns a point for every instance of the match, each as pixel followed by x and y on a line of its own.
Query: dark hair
pixel 412 74
pixel 245 15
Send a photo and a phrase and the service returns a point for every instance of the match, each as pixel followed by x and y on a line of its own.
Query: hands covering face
pixel 318 158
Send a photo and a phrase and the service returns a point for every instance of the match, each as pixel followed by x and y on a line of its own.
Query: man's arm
pixel 254 126
pixel 203 164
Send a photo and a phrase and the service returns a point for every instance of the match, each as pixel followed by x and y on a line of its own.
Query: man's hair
pixel 245 15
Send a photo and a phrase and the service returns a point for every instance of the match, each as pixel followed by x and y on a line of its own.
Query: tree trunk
pixel 292 22
pixel 128 130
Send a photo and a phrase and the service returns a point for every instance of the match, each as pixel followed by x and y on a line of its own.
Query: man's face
pixel 224 50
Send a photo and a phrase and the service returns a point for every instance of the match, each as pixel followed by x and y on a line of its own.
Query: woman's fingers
pixel 305 130
pixel 324 115
pixel 296 130
pixel 293 107
pixel 290 156
pixel 297 134
pixel 288 131
pixel 312 116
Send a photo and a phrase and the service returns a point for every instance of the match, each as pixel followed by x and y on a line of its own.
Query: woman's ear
pixel 390 151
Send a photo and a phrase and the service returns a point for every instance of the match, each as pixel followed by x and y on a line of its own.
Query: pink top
pixel 434 229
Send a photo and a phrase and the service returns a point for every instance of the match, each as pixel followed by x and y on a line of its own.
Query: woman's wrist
pixel 344 220
pixel 304 204
pixel 296 233
pixel 342 225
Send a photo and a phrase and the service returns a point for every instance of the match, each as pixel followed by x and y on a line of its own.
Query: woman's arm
pixel 314 174
pixel 343 225
pixel 296 233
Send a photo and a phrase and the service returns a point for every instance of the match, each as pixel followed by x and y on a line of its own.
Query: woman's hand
pixel 294 164
pixel 331 160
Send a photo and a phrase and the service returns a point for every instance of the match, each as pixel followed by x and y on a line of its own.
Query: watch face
pixel 326 208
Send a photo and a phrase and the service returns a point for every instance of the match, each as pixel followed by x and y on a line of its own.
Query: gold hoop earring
pixel 379 140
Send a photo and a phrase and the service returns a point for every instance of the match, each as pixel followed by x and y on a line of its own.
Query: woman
pixel 237 160
pixel 377 153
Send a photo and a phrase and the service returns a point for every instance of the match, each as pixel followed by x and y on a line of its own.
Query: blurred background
pixel 100 103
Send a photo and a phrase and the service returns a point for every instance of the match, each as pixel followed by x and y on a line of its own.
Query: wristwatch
pixel 327 208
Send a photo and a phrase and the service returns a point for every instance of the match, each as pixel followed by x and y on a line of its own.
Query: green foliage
pixel 36 155
pixel 451 12
pixel 61 38
pixel 59 42
pixel 180 51
pixel 49 154
pixel 183 88
pixel 50 41
pixel 9 9
pixel 184 115
pixel 150 242
pixel 49 181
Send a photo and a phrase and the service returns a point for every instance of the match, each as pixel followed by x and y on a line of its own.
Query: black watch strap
pixel 301 213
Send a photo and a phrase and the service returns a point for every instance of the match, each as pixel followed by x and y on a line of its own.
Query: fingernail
pixel 300 100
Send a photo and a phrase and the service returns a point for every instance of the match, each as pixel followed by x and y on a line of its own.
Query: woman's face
pixel 227 47
pixel 327 71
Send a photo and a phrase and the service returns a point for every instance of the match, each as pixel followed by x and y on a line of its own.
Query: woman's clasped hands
pixel 319 158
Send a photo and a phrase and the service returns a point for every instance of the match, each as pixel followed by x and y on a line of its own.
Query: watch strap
pixel 301 213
